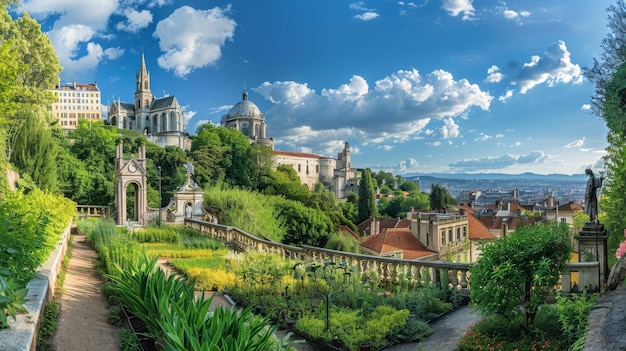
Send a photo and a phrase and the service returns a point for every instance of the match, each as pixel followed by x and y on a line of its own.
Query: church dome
pixel 244 109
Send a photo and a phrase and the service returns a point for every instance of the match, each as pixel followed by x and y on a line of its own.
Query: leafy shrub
pixel 11 301
pixel 211 279
pixel 32 225
pixel 190 238
pixel 156 235
pixel 350 328
pixel 473 340
pixel 129 341
pixel 516 274
pixel 573 315
pixel 414 330
pixel 176 251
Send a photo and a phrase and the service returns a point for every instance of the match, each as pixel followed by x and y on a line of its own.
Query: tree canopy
pixel 515 274
pixel 367 197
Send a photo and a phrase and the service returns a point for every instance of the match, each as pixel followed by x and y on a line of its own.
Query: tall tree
pixel 35 152
pixel 608 74
pixel 438 197
pixel 367 197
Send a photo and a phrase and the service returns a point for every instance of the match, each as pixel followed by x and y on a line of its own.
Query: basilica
pixel 161 120
pixel 335 174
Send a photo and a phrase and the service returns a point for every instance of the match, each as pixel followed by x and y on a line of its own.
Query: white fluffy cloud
pixel 396 108
pixel 135 20
pixel 503 161
pixel 367 16
pixel 552 68
pixel 77 26
pixel 575 143
pixel 456 7
pixel 493 75
pixel 193 38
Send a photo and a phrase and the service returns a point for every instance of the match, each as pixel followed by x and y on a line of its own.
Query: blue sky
pixel 415 87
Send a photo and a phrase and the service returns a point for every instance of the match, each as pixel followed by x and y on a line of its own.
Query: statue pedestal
pixel 187 202
pixel 592 247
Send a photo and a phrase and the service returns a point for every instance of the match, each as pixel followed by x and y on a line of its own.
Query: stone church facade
pixel 161 120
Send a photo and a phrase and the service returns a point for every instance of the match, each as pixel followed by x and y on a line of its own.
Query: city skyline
pixel 448 86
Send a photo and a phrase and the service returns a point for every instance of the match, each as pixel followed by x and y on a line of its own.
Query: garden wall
pixel 22 332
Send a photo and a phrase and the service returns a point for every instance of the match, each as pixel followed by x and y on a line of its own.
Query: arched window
pixel 148 125
pixel 146 104
pixel 113 121
pixel 172 120
pixel 163 122
pixel 155 118
pixel 145 84
pixel 138 103
pixel 245 129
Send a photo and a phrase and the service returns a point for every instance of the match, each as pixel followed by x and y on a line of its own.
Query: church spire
pixel 143 95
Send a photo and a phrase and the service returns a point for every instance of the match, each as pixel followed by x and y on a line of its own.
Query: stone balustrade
pixel 389 269
pixel 93 211
pixel 578 277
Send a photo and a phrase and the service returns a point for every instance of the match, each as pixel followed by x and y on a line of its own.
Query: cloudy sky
pixel 415 87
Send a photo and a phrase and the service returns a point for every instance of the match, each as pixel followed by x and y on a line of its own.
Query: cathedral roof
pixel 164 102
pixel 244 108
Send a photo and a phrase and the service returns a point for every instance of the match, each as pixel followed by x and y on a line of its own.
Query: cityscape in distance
pixel 532 188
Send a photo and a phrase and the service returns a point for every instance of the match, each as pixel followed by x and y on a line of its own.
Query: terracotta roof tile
pixel 296 154
pixel 477 230
pixel 397 239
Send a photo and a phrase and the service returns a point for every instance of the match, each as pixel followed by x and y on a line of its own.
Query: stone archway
pixel 131 171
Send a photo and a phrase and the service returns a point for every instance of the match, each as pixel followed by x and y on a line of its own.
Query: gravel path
pixel 82 323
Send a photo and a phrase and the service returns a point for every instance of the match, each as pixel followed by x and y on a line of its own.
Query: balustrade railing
pixel 578 277
pixel 94 211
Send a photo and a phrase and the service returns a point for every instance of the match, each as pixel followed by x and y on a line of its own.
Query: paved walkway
pixel 446 332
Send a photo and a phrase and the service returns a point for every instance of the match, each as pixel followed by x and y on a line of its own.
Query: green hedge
pixel 30 226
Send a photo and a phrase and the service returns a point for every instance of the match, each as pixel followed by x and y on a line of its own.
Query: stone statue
pixel 591 194
pixel 189 167
pixel 188 211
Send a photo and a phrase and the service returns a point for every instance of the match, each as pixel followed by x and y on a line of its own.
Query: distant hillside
pixel 498 176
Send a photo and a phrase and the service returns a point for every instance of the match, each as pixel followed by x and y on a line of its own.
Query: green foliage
pixel 352 329
pixel 367 198
pixel 499 333
pixel 440 198
pixel 411 187
pixel 573 315
pixel 129 341
pixel 414 331
pixel 192 239
pixel 47 326
pixel 34 150
pixel 343 242
pixel 251 212
pixel 303 225
pixel 515 274
pixel 286 182
pixel 156 235
pixel 30 226
pixel 117 250
pixel 11 300
pixel 613 201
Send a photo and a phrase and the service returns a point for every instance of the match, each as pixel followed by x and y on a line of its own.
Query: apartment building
pixel 74 101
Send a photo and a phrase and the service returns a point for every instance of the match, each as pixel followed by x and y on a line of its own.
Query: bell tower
pixel 143 95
